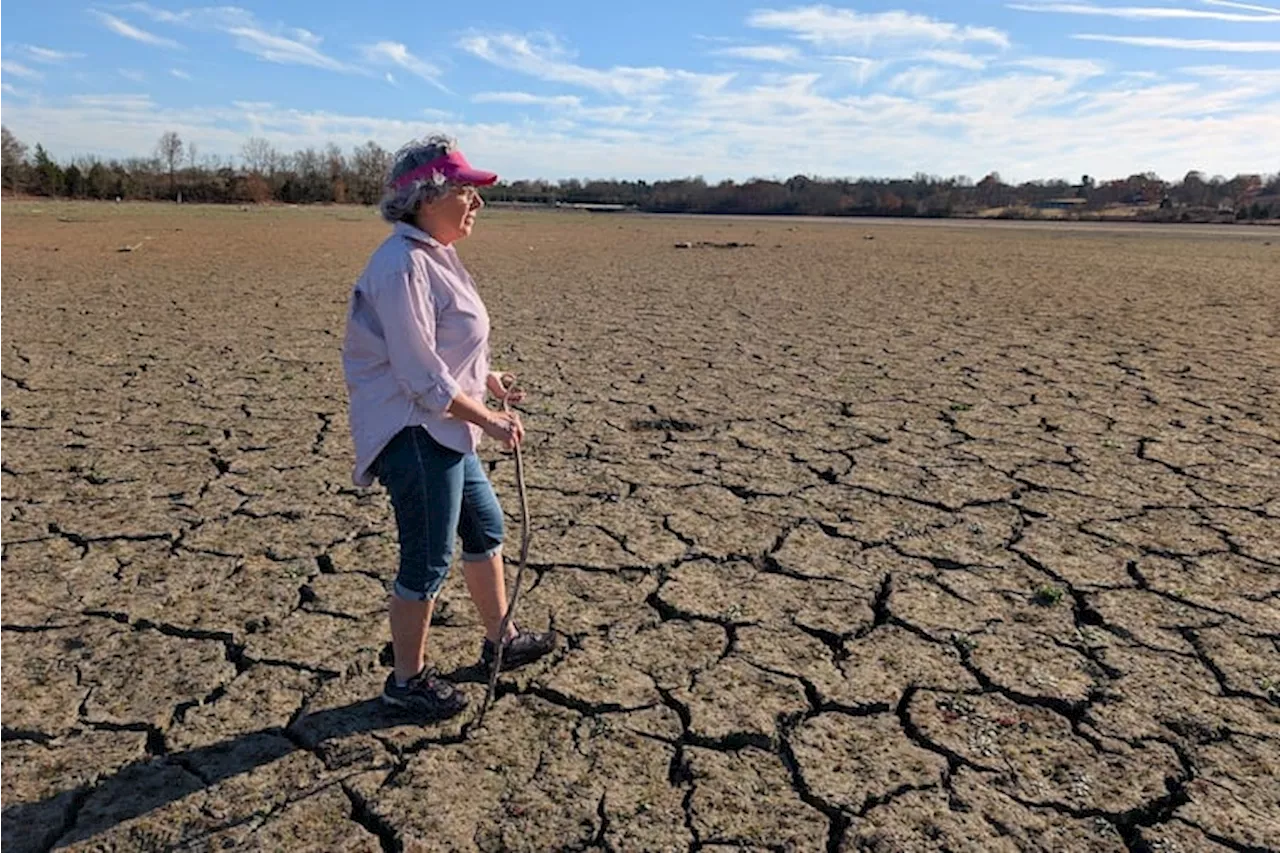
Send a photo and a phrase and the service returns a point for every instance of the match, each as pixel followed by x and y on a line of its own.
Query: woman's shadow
pixel 151 783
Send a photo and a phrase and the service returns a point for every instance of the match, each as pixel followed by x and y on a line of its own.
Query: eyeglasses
pixel 468 192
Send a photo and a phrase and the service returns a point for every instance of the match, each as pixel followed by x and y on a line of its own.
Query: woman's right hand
pixel 505 428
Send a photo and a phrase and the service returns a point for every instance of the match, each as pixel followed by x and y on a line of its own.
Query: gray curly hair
pixel 400 204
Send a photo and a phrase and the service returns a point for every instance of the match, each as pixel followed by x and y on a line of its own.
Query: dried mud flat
pixel 954 538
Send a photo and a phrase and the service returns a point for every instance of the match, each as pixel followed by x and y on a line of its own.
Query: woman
pixel 416 358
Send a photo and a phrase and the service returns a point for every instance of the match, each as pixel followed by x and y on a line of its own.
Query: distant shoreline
pixel 974 219
pixel 975 222
pixel 1030 216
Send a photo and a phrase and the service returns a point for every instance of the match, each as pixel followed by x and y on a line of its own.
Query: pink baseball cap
pixel 453 166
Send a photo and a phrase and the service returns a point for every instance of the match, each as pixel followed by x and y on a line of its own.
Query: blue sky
pixel 669 88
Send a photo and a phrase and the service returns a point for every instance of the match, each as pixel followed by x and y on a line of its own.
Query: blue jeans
pixel 436 493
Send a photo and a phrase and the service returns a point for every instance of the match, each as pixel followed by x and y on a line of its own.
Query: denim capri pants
pixel 436 493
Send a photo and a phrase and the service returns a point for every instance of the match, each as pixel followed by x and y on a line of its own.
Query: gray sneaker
pixel 525 647
pixel 426 695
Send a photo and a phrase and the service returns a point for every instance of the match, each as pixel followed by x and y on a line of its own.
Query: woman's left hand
pixel 499 383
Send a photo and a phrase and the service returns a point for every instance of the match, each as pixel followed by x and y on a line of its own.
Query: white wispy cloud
pixel 179 73
pixel 1186 44
pixel 955 58
pixel 526 99
pixel 49 56
pixel 1190 102
pixel 198 17
pixel 761 52
pixel 824 25
pixel 15 92
pixel 864 68
pixel 917 80
pixel 565 113
pixel 1077 69
pixel 1028 96
pixel 1226 73
pixel 302 49
pixel 132 74
pixel 129 31
pixel 542 57
pixel 17 69
pixel 1251 7
pixel 1141 13
pixel 279 44
pixel 397 54
pixel 124 103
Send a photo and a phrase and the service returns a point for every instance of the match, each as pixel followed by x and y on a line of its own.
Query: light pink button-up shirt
pixel 417 336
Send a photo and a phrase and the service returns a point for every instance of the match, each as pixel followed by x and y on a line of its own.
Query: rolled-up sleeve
pixel 406 311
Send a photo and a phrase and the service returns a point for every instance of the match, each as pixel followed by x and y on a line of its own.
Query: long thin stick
pixel 524 556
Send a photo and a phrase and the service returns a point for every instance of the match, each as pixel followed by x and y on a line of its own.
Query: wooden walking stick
pixel 524 558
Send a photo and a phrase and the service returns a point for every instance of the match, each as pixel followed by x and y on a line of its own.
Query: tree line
pixel 331 175
pixel 176 171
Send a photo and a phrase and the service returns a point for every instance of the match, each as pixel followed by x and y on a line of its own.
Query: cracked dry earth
pixel 958 538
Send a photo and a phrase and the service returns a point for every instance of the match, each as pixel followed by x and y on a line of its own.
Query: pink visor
pixel 454 167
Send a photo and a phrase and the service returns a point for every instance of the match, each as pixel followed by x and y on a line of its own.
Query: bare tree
pixel 369 162
pixel 337 168
pixel 312 178
pixel 191 156
pixel 258 155
pixel 169 150
pixel 13 158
